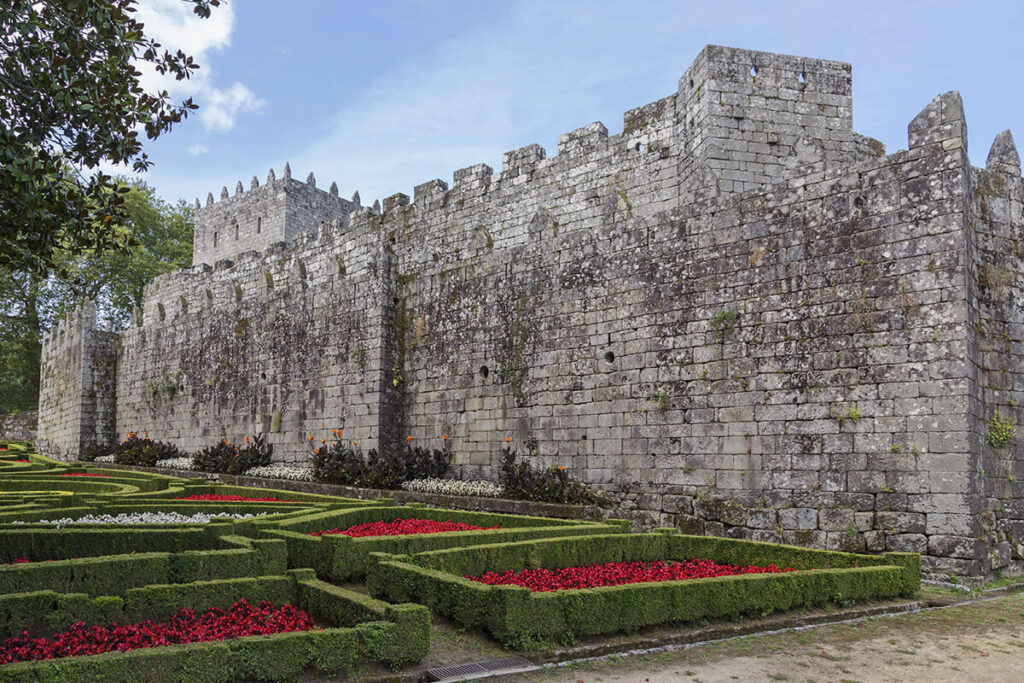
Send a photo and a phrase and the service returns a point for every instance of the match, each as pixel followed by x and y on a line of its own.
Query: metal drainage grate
pixel 462 672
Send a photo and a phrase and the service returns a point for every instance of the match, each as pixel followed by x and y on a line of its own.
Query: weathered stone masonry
pixel 738 314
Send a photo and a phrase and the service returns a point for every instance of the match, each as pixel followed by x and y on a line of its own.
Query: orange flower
pixel 146 433
pixel 247 439
pixel 355 443
pixel 310 437
pixel 228 442
pixel 444 437
pixel 408 438
pixel 323 440
pixel 561 467
pixel 508 439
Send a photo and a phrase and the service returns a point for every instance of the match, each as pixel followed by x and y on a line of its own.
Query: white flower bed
pixel 105 458
pixel 147 518
pixel 281 472
pixel 454 487
pixel 175 463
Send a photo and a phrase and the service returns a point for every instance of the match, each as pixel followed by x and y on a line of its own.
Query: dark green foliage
pixel 230 458
pixel 518 617
pixel 553 485
pixel 70 100
pixel 141 451
pixel 355 628
pixel 114 574
pixel 344 463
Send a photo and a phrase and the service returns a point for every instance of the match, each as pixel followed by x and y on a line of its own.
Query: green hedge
pixel 190 489
pixel 114 574
pixel 517 617
pixel 358 629
pixel 341 558
pixel 40 545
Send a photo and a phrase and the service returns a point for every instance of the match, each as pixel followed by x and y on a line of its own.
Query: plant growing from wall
pixel 723 322
pixel 1000 431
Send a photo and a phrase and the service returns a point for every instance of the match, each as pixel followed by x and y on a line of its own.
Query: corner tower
pixel 746 116
pixel 254 218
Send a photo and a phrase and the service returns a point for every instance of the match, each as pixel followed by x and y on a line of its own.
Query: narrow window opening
pixel 259 224
pixel 236 231
pixel 609 357
pixel 802 78
pixel 214 239
pixel 753 71
pixel 639 147
pixel 161 312
pixel 484 371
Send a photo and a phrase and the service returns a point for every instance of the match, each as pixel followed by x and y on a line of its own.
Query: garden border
pixel 363 629
pixel 520 618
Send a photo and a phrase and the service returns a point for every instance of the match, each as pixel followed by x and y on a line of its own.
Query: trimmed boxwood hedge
pixel 237 556
pixel 518 617
pixel 359 629
pixel 342 558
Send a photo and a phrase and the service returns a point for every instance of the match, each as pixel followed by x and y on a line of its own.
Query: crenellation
pixel 737 315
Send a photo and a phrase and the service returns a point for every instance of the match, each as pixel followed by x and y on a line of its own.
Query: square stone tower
pixel 747 114
pixel 253 219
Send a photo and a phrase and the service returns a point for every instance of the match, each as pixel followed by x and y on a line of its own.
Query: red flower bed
pixel 24 461
pixel 241 619
pixel 21 560
pixel 401 527
pixel 234 499
pixel 616 574
pixel 82 474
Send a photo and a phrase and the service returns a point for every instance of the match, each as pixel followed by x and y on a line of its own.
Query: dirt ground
pixel 975 642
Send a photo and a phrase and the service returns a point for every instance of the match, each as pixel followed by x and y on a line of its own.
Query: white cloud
pixel 173 24
pixel 223 107
pixel 196 150
pixel 481 93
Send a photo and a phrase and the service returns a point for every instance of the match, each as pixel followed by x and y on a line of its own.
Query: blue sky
pixel 381 96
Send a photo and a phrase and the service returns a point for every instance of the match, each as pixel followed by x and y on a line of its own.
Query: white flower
pixel 105 458
pixel 281 472
pixel 454 487
pixel 175 463
pixel 149 518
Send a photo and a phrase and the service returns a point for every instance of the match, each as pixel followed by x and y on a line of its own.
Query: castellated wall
pixel 737 315
pixel 286 343
pixel 77 385
pixel 280 210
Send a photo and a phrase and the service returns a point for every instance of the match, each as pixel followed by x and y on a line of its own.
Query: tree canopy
pixel 32 300
pixel 70 100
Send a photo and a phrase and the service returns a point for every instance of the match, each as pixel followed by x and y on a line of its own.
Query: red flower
pixel 241 619
pixel 616 574
pixel 400 527
pixel 82 474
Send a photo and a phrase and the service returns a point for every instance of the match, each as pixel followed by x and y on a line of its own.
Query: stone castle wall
pixel 737 314
pixel 19 426
pixel 77 385
pixel 280 210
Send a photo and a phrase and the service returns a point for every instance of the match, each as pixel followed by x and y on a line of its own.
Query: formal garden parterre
pixel 92 565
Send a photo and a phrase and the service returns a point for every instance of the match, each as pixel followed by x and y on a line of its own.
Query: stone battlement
pixel 737 314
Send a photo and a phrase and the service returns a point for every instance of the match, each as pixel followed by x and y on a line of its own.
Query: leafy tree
pixel 31 301
pixel 70 99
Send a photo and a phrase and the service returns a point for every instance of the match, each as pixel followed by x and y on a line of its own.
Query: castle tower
pixel 252 219
pixel 744 112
